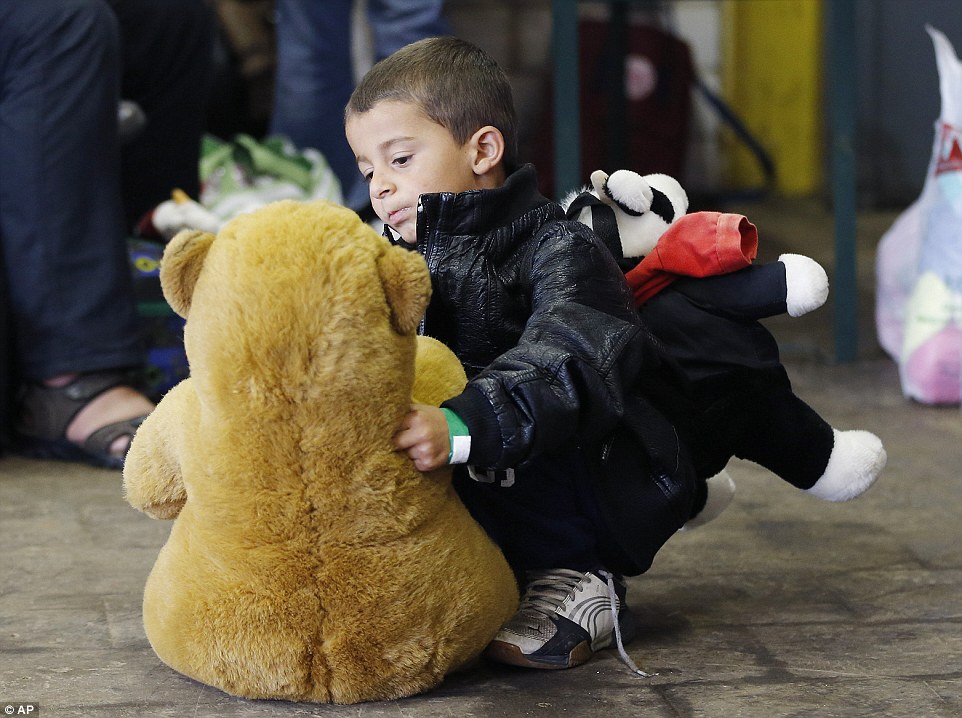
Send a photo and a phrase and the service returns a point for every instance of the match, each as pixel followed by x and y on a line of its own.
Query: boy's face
pixel 403 154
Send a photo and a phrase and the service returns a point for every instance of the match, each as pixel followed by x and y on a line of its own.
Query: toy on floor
pixel 240 175
pixel 308 560
pixel 178 213
pixel 700 293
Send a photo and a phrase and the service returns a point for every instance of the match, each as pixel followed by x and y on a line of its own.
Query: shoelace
pixel 547 591
pixel 613 597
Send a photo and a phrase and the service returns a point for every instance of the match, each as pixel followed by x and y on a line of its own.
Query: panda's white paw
pixel 721 491
pixel 857 459
pixel 807 284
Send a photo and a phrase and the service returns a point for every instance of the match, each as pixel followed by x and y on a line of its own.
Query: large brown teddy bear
pixel 309 560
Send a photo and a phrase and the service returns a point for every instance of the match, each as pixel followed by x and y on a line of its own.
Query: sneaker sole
pixel 509 653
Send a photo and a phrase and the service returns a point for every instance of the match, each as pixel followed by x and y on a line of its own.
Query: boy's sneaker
pixel 564 617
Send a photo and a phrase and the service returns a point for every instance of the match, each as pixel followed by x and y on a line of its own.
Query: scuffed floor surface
pixel 784 606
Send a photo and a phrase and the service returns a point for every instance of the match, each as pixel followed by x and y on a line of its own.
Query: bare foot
pixel 117 404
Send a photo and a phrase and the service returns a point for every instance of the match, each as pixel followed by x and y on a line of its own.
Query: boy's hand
pixel 423 435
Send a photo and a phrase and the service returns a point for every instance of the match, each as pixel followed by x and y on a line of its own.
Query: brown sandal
pixel 46 412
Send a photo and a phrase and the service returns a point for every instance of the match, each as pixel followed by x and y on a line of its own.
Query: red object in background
pixel 646 128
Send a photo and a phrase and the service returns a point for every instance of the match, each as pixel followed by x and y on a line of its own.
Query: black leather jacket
pixel 539 313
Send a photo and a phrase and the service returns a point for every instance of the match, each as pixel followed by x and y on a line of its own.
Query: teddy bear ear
pixel 180 266
pixel 407 286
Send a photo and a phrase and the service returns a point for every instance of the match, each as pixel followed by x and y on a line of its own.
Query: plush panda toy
pixel 698 290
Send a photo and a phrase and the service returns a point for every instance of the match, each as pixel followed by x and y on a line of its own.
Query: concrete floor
pixel 784 606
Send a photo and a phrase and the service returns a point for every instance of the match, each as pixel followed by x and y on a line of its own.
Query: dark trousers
pixel 548 517
pixel 68 191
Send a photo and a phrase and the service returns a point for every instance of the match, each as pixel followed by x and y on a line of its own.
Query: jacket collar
pixel 479 212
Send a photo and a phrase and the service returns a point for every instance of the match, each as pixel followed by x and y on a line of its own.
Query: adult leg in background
pixel 167 60
pixel 62 228
pixel 315 72
pixel 61 215
pixel 314 80
pixel 396 23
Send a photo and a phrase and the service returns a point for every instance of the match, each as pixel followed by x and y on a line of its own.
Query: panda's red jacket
pixel 700 244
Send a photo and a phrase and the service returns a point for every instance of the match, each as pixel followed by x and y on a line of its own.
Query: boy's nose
pixel 380 188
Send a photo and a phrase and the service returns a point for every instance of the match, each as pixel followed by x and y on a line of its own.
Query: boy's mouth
pixel 396 215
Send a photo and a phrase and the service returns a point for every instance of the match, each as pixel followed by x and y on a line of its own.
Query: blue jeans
pixel 68 191
pixel 315 72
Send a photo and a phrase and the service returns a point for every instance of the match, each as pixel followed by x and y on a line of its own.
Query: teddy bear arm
pixel 153 482
pixel 438 375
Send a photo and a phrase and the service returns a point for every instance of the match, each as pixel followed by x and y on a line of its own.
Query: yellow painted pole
pixel 772 59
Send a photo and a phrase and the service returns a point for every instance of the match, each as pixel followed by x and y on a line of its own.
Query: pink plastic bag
pixel 918 308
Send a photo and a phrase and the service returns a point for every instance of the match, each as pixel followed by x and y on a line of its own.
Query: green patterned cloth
pixel 245 173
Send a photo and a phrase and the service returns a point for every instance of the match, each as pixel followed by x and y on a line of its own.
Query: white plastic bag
pixel 918 307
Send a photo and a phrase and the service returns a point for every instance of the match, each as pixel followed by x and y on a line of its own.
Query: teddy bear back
pixel 302 279
pixel 310 559
pixel 302 367
pixel 291 314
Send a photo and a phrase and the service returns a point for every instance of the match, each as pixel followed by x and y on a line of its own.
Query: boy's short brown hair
pixel 455 83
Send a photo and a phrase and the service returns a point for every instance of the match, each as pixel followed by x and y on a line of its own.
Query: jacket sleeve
pixel 565 380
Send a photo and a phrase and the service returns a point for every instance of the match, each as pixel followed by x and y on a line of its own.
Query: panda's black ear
pixel 662 206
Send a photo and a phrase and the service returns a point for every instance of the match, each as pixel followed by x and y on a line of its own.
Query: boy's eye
pixel 401 161
pixel 367 176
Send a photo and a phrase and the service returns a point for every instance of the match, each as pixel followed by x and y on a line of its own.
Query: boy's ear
pixel 488 146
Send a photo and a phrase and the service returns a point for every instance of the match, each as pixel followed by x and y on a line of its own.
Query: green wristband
pixel 459 438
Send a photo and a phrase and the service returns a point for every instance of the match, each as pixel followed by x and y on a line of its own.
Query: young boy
pixel 569 469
